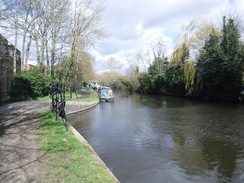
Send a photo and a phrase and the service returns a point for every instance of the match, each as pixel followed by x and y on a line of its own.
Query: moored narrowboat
pixel 106 94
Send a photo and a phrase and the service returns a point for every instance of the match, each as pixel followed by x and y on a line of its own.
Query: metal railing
pixel 57 94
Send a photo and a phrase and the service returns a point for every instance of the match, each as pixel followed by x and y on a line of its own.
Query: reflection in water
pixel 164 139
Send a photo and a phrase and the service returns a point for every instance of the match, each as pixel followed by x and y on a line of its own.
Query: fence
pixel 57 94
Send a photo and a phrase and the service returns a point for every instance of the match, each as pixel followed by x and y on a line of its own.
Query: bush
pixel 175 82
pixel 29 84
pixel 157 82
pixel 128 83
pixel 145 82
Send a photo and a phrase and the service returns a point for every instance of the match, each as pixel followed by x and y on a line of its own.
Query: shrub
pixel 29 84
pixel 145 82
pixel 128 83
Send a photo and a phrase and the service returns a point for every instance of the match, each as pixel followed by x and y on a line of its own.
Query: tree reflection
pixel 221 155
pixel 199 155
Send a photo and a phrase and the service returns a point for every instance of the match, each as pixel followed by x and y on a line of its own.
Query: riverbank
pixel 68 156
pixel 60 157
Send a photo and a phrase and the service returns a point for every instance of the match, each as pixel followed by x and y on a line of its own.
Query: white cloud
pixel 133 24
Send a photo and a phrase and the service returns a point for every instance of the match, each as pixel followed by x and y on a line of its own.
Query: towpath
pixel 20 155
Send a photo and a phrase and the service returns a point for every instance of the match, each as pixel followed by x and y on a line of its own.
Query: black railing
pixel 57 94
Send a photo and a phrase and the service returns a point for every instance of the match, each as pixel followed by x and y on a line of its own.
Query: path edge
pixel 83 141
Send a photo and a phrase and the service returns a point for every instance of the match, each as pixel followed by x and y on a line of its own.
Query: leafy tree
pixel 195 34
pixel 181 54
pixel 145 82
pixel 232 59
pixel 231 46
pixel 209 68
pixel 53 31
pixel 189 74
pixel 157 82
pixel 175 80
pixel 158 67
pixel 220 64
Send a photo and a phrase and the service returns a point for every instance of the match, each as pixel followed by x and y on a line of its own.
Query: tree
pixel 113 64
pixel 209 68
pixel 85 71
pixel 175 80
pixel 85 28
pixel 59 29
pixel 20 21
pixel 193 36
pixel 232 58
pixel 137 63
pixel 58 32
pixel 4 13
pixel 158 67
pixel 189 74
pixel 181 54
pixel 145 83
pixel 160 61
pixel 231 45
pixel 220 64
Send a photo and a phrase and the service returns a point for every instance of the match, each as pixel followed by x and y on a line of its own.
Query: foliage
pixel 157 82
pixel 52 29
pixel 30 84
pixel 175 80
pixel 181 54
pixel 220 65
pixel 216 74
pixel 145 82
pixel 174 75
pixel 76 70
pixel 171 82
pixel 128 83
pixel 189 74
pixel 108 78
pixel 231 46
pixel 66 158
pixel 158 66
pixel 209 66
pixel 195 34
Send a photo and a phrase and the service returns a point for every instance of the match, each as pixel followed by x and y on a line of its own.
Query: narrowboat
pixel 106 94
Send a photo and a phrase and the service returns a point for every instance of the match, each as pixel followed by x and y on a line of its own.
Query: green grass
pixel 93 96
pixel 43 98
pixel 65 158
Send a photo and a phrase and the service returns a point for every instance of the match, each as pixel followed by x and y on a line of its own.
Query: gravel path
pixel 19 149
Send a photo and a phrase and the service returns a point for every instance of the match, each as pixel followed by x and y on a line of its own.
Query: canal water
pixel 156 139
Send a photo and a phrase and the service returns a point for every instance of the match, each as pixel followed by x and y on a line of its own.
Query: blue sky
pixel 133 24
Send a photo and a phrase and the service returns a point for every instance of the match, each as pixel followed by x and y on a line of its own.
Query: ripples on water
pixel 155 139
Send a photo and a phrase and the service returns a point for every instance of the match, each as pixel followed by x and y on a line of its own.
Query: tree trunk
pixel 23 66
pixel 29 45
pixel 47 57
pixel 38 53
pixel 53 57
pixel 15 48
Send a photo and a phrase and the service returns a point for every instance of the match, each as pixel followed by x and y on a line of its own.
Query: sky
pixel 132 25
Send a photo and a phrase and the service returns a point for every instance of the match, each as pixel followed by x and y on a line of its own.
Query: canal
pixel 155 139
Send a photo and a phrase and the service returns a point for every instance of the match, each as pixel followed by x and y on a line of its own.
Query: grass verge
pixel 65 158
pixel 92 96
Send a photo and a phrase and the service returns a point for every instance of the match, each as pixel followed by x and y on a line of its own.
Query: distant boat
pixel 106 94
